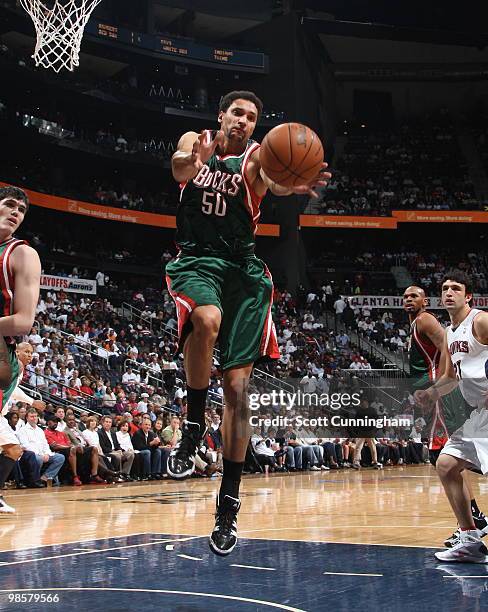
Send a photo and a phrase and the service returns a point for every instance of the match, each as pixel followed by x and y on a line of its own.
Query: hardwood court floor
pixel 396 506
pixel 307 542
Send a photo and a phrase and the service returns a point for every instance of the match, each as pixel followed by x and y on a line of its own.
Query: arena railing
pixel 57 400
pixel 135 365
pixel 87 347
pixel 387 384
pixel 214 398
pixel 31 392
pixel 389 358
pixel 88 403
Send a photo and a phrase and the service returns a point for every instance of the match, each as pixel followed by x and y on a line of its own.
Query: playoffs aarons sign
pixel 70 285
pixel 396 301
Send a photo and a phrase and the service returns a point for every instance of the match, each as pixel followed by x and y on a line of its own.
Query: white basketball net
pixel 59 31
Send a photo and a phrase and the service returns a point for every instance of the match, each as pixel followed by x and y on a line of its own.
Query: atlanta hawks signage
pixel 70 285
pixel 396 301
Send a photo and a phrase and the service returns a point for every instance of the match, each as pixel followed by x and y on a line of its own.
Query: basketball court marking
pixel 297 579
pixel 87 549
pixel 462 577
pixel 184 557
pixel 254 567
pixel 129 535
pixel 99 550
pixel 270 604
pixel 349 574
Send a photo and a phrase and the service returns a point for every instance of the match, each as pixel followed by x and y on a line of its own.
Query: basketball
pixel 291 154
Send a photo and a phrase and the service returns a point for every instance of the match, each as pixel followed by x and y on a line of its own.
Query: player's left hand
pixel 320 180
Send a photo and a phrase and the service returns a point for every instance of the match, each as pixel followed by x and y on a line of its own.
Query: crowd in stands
pixel 426 267
pixel 415 165
pixel 389 328
pixel 96 371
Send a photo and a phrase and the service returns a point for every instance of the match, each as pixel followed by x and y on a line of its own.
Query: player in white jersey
pixel 465 355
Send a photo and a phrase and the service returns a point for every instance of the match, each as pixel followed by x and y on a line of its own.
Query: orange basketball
pixel 291 154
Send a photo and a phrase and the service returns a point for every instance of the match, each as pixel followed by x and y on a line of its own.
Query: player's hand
pixel 309 188
pixel 426 398
pixel 205 145
pixel 39 405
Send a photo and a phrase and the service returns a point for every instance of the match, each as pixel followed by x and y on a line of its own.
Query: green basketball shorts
pixel 242 291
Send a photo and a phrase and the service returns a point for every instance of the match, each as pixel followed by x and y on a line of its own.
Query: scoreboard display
pixel 180 48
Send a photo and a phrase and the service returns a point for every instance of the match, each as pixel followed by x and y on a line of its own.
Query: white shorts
pixel 470 442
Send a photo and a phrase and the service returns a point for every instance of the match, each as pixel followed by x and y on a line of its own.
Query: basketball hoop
pixel 59 31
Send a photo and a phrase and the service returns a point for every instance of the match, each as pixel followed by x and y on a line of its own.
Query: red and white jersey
pixel 470 360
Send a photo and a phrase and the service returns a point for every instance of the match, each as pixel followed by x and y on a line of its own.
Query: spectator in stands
pixel 264 453
pixel 26 472
pixel 147 443
pixel 32 438
pixel 172 433
pixel 125 440
pixel 120 459
pixel 60 443
pixel 339 307
pixel 99 472
pixel 415 448
pixel 165 449
pixel 75 454
pixel 60 414
pixel 306 458
pixel 90 434
pixel 365 434
pixel 109 400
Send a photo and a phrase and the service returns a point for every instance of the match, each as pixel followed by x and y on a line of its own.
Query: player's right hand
pixel 425 398
pixel 205 145
pixel 39 405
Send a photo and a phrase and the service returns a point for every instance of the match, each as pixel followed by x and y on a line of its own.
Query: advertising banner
pixel 70 285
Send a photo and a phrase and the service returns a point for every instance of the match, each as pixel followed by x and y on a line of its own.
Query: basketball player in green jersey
pixel 427 338
pixel 221 289
pixel 20 271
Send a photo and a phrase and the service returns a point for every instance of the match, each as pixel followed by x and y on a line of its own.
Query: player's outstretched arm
pixel 5 367
pixel 443 385
pixel 192 152
pixel 26 269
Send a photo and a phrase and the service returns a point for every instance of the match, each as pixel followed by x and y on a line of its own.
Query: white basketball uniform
pixel 470 360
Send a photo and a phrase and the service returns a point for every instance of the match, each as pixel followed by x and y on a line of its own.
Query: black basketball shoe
pixel 181 460
pixel 481 524
pixel 223 538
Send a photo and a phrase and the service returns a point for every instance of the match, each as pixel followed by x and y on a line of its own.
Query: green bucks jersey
pixel 423 356
pixel 218 211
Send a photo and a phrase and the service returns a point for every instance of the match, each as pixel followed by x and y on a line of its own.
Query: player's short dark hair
pixel 15 193
pixel 227 100
pixel 459 276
